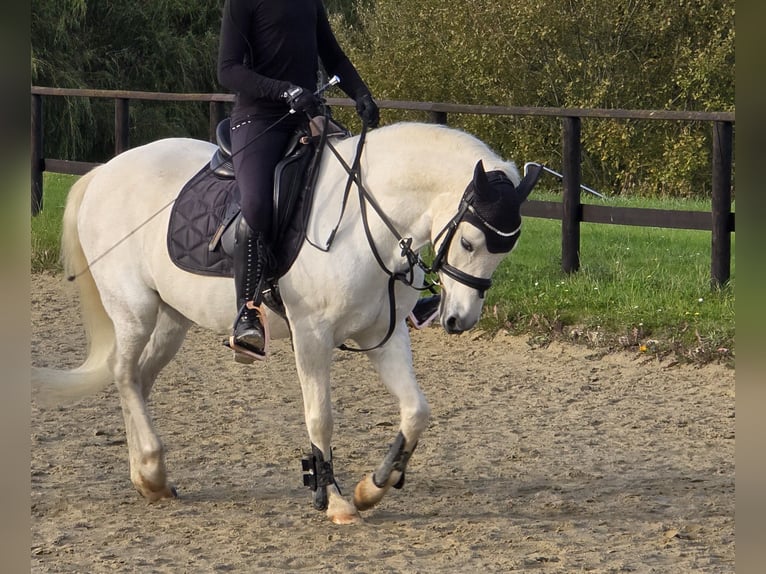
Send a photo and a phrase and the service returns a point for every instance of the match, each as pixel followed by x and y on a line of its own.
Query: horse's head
pixel 485 229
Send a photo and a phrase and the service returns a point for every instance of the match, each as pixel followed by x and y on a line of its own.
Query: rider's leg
pixel 250 267
pixel 255 156
pixel 426 310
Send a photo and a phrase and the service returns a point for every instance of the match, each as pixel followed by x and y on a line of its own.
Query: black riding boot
pixel 251 262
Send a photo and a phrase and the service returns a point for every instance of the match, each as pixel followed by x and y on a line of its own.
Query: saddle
pixel 204 216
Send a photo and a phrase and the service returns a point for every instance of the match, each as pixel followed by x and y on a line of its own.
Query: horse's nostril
pixel 454 325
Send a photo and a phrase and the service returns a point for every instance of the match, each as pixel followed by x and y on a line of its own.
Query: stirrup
pixel 245 355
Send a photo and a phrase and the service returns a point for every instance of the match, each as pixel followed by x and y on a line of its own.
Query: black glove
pixel 301 100
pixel 368 110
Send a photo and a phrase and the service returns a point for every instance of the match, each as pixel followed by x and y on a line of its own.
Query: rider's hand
pixel 368 110
pixel 301 100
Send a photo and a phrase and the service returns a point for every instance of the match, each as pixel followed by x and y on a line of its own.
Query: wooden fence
pixel 719 220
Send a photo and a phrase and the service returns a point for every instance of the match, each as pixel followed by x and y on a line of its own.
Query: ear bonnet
pixel 495 206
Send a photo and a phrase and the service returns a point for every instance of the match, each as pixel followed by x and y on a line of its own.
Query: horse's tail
pixel 54 385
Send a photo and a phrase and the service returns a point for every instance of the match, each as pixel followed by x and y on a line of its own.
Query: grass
pixel 638 288
pixel 46 226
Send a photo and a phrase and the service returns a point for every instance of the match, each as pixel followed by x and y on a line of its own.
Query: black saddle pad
pixel 198 213
pixel 208 204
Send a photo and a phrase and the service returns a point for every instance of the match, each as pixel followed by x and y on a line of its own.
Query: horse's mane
pixel 454 148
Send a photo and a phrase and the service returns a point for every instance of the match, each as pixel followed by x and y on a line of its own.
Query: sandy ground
pixel 554 459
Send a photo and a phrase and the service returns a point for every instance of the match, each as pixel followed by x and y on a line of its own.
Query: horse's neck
pixel 416 172
pixel 410 198
pixel 418 193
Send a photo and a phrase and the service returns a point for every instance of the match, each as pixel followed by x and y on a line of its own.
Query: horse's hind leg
pixel 313 359
pixel 134 370
pixel 393 363
pixel 167 337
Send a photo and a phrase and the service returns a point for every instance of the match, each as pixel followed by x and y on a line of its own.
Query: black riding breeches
pixel 255 156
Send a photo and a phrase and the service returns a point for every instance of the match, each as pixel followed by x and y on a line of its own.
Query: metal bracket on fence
pixel 561 177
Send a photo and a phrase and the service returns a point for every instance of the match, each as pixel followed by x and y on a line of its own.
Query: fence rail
pixel 719 220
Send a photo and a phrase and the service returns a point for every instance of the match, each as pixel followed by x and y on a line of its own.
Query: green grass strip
pixel 639 288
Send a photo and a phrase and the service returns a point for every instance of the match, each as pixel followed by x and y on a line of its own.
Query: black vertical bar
pixel 572 211
pixel 217 112
pixel 438 118
pixel 38 163
pixel 720 255
pixel 121 125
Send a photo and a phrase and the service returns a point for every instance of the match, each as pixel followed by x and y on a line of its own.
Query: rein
pixel 354 176
pixel 407 277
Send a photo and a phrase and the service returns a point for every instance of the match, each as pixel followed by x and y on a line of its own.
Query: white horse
pixel 137 305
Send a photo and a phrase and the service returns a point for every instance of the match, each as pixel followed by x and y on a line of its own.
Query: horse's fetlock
pixel 396 460
pixel 153 459
pixel 318 475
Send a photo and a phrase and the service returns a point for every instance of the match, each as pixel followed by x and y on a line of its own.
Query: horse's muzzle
pixel 453 325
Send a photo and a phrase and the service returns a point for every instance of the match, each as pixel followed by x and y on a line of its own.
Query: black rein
pixel 407 277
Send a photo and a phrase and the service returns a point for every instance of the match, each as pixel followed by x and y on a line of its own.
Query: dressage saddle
pixel 205 214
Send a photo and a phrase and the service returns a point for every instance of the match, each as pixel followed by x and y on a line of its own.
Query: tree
pixel 164 45
pixel 635 54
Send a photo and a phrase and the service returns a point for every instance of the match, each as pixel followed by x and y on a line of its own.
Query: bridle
pixel 466 207
pixel 481 284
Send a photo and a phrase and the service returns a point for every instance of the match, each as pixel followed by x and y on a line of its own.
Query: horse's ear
pixel 480 181
pixel 530 179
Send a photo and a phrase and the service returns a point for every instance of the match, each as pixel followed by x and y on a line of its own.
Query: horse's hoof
pixel 340 511
pixel 366 494
pixel 168 493
pixel 345 519
pixel 155 495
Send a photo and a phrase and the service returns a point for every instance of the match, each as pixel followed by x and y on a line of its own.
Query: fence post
pixel 121 125
pixel 438 117
pixel 216 113
pixel 37 154
pixel 572 210
pixel 720 252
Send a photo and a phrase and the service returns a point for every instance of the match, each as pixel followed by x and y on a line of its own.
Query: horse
pixel 438 187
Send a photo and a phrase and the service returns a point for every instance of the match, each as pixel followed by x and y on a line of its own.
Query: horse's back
pixel 160 162
pixel 141 180
pixel 125 209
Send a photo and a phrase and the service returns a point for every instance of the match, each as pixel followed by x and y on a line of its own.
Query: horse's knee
pixel 415 417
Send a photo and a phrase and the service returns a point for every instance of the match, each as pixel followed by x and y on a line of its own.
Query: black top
pixel 266 45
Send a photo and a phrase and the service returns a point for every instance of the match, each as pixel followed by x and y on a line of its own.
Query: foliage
pixel 664 54
pixel 46 226
pixel 640 289
pixel 631 54
pixel 163 46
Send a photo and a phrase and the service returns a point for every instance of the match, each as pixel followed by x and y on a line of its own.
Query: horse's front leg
pixel 313 359
pixel 393 363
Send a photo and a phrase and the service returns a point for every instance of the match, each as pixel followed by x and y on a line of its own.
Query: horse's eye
pixel 466 244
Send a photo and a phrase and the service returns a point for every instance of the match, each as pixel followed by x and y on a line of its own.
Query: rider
pixel 269 55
